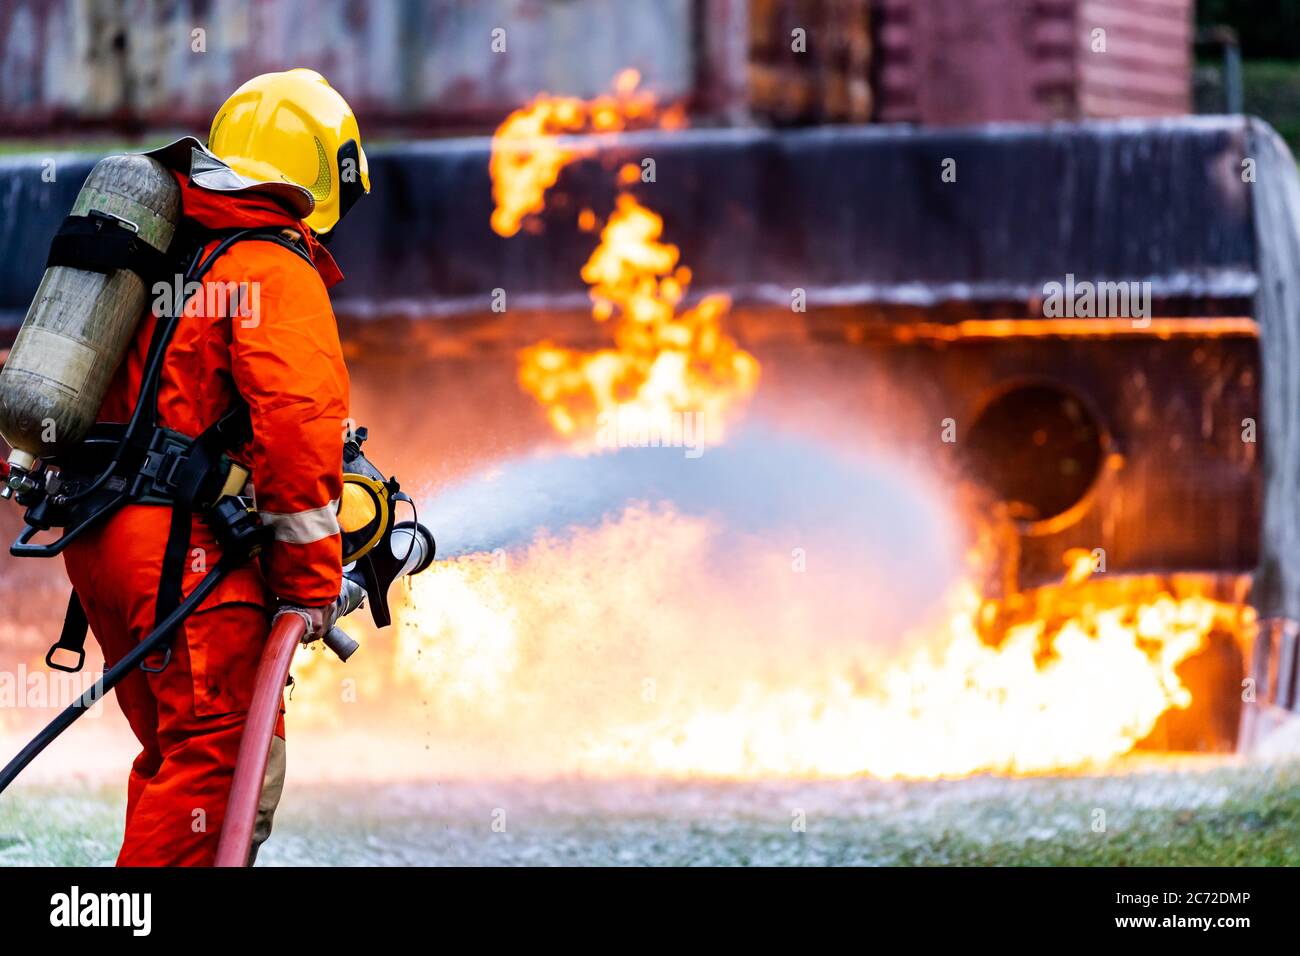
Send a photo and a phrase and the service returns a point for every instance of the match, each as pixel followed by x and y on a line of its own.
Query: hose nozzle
pixel 338 641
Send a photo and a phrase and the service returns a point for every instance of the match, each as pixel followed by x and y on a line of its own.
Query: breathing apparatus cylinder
pixel 82 320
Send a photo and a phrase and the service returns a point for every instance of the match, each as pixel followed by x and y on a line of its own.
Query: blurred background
pixel 70 68
pixel 129 68
pixel 1248 58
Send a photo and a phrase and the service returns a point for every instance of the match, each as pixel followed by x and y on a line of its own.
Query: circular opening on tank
pixel 1038 448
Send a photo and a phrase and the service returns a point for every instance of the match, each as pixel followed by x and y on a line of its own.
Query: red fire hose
pixel 255 747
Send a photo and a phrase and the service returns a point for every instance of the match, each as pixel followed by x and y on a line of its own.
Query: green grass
pixel 62 827
pixel 1272 91
pixel 1215 815
pixel 18 147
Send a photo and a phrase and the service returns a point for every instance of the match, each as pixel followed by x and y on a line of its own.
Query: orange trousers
pixel 189 718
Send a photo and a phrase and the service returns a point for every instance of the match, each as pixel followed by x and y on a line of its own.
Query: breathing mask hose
pixel 157 638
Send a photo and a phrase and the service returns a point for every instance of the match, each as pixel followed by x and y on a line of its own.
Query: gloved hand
pixel 319 620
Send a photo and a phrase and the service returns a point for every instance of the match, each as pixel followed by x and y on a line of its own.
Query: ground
pixel 1186 814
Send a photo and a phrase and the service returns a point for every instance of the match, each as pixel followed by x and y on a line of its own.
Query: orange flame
pixel 526 153
pixel 525 660
pixel 664 362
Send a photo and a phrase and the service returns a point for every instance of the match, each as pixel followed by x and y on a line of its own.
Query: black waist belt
pixel 173 469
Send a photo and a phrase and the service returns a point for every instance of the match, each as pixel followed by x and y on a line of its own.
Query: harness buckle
pixel 68 668
pixel 159 469
pixel 72 639
pixel 167 659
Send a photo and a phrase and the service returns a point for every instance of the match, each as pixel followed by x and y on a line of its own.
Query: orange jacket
pixel 262 329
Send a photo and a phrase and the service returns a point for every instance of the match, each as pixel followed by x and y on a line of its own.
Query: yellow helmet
pixel 294 127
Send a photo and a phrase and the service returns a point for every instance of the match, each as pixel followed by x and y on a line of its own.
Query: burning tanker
pixel 774 606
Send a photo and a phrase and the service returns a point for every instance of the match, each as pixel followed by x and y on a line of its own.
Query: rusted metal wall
pixel 1147 64
pixel 958 61
pixel 951 62
pixel 809 60
pixel 411 64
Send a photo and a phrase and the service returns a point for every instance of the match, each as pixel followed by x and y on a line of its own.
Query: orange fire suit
pixel 279 350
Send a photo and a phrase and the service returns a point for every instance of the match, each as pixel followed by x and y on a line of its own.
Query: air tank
pixel 81 322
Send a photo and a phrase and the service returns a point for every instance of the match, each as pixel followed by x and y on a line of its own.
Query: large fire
pixel 666 361
pixel 645 647
pixel 632 648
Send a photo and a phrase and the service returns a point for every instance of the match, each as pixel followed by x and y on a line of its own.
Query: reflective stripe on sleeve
pixel 304 527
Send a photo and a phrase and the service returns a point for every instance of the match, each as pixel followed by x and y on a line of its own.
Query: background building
pixel 129 66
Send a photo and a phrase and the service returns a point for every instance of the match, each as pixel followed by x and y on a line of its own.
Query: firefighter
pixel 283 151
